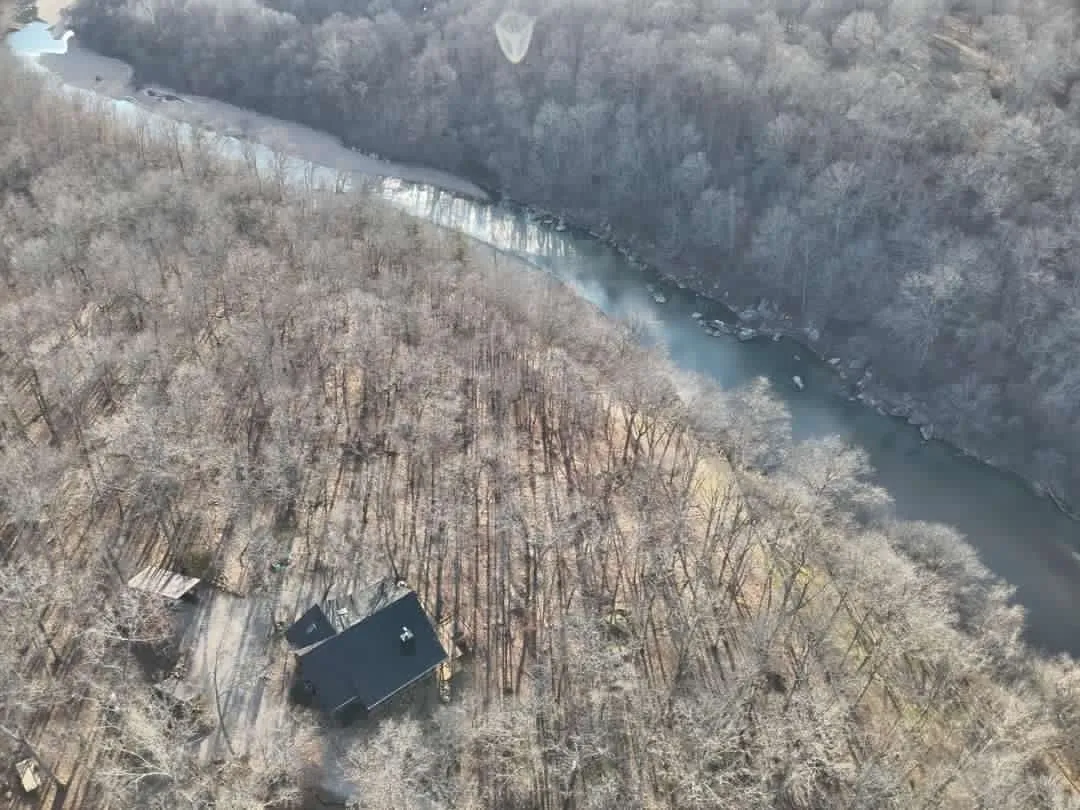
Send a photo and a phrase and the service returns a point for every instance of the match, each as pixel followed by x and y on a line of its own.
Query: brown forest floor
pixel 199 370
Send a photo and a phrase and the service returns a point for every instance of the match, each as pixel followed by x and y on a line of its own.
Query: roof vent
pixel 406 635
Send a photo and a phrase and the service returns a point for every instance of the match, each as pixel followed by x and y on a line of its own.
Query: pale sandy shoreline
pixel 83 68
pixel 49 10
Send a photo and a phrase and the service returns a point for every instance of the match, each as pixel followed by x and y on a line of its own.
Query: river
pixel 1021 537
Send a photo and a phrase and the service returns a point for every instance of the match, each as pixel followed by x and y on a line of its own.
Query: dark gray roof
pixel 368 662
pixel 311 628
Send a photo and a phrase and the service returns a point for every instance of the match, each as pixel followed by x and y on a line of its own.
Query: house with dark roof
pixel 357 654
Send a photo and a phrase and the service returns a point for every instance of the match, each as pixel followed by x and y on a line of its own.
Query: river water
pixel 1019 536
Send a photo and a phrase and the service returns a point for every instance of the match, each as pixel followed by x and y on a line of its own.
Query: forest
pixel 900 176
pixel 203 365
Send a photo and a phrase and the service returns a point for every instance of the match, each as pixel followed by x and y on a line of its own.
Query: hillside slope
pixel 899 176
pixel 202 367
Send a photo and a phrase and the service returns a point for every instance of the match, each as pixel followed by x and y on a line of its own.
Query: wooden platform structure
pixel 29 774
pixel 161 581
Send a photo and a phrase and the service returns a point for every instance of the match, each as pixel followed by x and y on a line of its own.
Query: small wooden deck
pixel 29 775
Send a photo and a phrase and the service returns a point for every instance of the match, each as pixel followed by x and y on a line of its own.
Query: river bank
pixel 84 69
pixel 856 379
pixel 79 67
pixel 1022 539
pixel 760 319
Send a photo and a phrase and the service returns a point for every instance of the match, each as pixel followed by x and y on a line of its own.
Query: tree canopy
pixel 898 174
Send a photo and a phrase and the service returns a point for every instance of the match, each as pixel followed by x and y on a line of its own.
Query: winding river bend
pixel 1019 536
